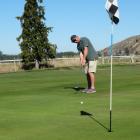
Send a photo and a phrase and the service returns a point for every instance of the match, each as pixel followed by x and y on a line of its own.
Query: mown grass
pixel 42 105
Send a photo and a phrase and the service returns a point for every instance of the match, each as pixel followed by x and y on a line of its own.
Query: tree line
pixel 8 56
pixel 57 55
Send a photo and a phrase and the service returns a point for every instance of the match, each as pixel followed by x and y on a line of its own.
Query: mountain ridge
pixel 128 46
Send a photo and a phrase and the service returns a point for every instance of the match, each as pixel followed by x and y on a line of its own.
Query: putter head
pixel 78 88
pixel 84 113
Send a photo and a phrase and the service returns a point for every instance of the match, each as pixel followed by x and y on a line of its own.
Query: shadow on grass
pixel 93 118
pixel 76 88
pixel 84 113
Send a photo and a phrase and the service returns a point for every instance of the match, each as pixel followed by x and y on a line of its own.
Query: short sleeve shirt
pixel 85 42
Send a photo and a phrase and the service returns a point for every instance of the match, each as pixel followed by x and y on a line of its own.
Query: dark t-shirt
pixel 85 42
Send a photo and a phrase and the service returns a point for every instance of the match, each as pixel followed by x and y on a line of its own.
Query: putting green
pixel 43 105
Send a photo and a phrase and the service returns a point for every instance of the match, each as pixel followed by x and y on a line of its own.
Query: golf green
pixel 43 105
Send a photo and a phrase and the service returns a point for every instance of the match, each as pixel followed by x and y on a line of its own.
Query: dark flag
pixel 112 9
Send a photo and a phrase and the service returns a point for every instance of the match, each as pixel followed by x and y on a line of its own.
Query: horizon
pixel 77 52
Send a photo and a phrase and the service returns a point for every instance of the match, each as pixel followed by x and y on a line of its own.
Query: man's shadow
pixel 75 88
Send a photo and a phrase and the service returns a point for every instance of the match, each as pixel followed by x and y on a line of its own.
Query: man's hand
pixel 83 56
pixel 83 62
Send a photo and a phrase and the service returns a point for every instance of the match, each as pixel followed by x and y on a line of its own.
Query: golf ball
pixel 81 102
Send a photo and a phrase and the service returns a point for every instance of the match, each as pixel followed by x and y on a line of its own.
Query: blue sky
pixel 82 17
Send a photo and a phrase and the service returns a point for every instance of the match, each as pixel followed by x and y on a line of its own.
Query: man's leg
pixel 92 80
pixel 88 80
pixel 91 76
pixel 91 72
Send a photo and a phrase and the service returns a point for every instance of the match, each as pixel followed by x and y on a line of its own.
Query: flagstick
pixel 110 129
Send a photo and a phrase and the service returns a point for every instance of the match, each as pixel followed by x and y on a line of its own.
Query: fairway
pixel 42 105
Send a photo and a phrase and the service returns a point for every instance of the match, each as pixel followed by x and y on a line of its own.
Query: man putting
pixel 88 59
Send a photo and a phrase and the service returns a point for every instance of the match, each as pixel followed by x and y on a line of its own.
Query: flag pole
pixel 110 122
pixel 112 9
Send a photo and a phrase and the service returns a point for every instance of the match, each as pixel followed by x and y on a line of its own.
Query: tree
pixel 33 40
pixel 1 55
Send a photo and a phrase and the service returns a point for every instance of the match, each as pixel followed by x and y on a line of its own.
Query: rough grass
pixel 42 105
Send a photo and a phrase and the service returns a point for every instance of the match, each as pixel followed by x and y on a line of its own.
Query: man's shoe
pixel 89 91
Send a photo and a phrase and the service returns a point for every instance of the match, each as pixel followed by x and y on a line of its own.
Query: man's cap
pixel 73 38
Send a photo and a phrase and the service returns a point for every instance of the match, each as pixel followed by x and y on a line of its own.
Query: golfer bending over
pixel 88 59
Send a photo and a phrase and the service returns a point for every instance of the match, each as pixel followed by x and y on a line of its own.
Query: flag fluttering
pixel 112 9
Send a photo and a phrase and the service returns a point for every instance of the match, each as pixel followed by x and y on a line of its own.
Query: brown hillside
pixel 129 46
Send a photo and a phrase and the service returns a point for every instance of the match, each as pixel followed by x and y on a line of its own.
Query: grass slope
pixel 42 105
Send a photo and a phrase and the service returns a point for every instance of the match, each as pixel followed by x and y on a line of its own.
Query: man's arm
pixel 83 56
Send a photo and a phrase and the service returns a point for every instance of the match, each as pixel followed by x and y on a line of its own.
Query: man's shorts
pixel 90 66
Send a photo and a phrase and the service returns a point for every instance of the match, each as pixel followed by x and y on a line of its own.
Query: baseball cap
pixel 73 38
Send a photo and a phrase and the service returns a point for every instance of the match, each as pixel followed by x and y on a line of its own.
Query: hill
pixel 128 46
